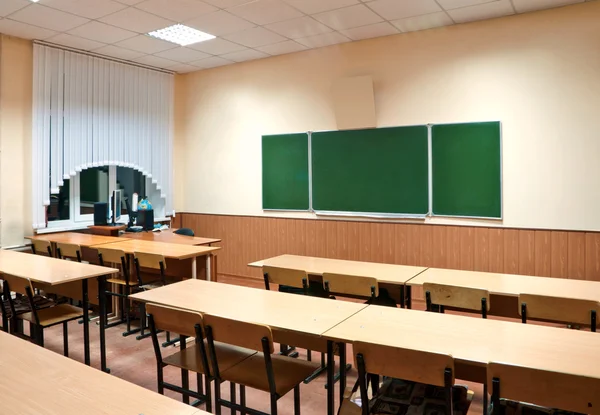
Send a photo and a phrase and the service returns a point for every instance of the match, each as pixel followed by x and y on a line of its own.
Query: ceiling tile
pixel 219 23
pixel 424 22
pixel 483 11
pixel 456 4
pixel 281 48
pixel 101 32
pixel 263 12
pixel 217 46
pixel 182 55
pixel 300 27
pixel 75 42
pixel 211 62
pixel 224 4
pixel 92 9
pixel 130 2
pixel 117 52
pixel 245 55
pixel 348 17
pixel 183 68
pixel 370 31
pixel 318 6
pixel 523 6
pixel 177 10
pixel 325 39
pixel 394 9
pixel 155 61
pixel 48 18
pixel 136 20
pixel 10 6
pixel 146 44
pixel 24 31
pixel 254 37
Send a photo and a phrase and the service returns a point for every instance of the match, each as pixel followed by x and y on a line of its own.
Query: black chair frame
pixel 593 317
pixel 441 308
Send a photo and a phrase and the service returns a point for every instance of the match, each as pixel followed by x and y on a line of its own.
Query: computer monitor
pixel 116 206
pixel 130 213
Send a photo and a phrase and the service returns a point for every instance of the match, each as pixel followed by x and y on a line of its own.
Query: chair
pixel 68 251
pixel 414 366
pixel 119 257
pixel 514 385
pixel 41 247
pixel 459 297
pixel 559 309
pixel 43 318
pixel 352 285
pixel 265 371
pixel 184 231
pixel 20 305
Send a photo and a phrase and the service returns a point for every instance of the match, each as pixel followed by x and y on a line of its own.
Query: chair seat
pixel 54 315
pixel 288 372
pixel 190 358
pixel 119 281
pixel 152 285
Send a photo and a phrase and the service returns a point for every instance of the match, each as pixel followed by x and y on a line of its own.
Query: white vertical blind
pixel 88 112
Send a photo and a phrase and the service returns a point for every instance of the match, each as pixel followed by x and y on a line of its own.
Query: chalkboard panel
pixel 466 162
pixel 285 171
pixel 381 170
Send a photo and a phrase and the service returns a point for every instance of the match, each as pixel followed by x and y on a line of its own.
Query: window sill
pixel 82 225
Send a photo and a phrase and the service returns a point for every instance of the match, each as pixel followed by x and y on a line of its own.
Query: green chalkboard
pixel 466 163
pixel 285 171
pixel 381 170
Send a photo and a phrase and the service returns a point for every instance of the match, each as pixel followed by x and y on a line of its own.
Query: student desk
pixel 301 318
pixel 53 271
pixel 169 236
pixel 171 252
pixel 85 240
pixel 505 288
pixel 38 381
pixel 389 276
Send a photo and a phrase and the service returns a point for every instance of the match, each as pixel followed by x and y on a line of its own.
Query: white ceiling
pixel 245 29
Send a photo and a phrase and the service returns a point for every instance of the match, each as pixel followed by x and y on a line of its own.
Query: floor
pixel 134 361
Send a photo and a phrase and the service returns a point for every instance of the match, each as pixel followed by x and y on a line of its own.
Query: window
pixel 93 188
pixel 60 204
pixel 130 181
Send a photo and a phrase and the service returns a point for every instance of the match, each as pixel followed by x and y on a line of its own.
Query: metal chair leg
pixel 243 399
pixel 66 339
pixel 273 404
pixel 217 397
pixel 232 396
pixel 297 400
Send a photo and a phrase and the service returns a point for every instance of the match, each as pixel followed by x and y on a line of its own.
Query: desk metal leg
pixel 330 373
pixel 342 352
pixel 402 296
pixel 86 322
pixel 102 301
pixel 408 296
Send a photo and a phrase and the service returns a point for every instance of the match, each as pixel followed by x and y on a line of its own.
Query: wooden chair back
pixel 239 333
pixel 559 309
pixel 42 247
pixel 153 261
pixel 413 365
pixel 69 250
pixel 72 290
pixel 16 284
pixel 351 284
pixel 459 297
pixel 551 389
pixel 112 255
pixel 175 320
pixel 285 276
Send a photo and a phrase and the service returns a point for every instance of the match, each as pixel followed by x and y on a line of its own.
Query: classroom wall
pixel 16 83
pixel 537 73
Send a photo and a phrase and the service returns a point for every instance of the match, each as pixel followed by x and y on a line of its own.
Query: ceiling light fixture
pixel 181 35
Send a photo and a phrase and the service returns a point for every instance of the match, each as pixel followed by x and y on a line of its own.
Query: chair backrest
pixel 351 284
pixel 16 284
pixel 185 232
pixel 42 247
pixel 285 276
pixel 112 255
pixel 551 389
pixel 69 250
pixel 459 297
pixel 414 365
pixel 239 333
pixel 150 260
pixel 72 290
pixel 175 320
pixel 559 309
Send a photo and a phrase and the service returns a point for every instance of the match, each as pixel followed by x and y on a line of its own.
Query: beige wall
pixel 16 78
pixel 538 73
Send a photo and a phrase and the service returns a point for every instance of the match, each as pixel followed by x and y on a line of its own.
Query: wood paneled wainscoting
pixel 560 254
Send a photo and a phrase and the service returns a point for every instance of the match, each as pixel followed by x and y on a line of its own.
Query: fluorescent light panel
pixel 181 35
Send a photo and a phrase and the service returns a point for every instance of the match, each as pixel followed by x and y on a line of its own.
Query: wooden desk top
pixel 298 313
pixel 83 239
pixel 390 273
pixel 169 237
pixel 475 340
pixel 47 270
pixel 38 381
pixel 511 285
pixel 169 250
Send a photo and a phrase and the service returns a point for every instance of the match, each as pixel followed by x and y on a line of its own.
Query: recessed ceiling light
pixel 180 34
pixel 34 1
